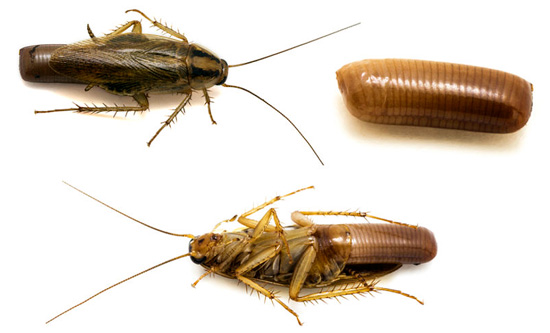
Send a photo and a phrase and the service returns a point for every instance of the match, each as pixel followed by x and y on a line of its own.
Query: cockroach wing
pixel 126 64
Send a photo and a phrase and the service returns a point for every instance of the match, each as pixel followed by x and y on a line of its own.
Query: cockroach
pixel 135 64
pixel 335 259
pixel 435 94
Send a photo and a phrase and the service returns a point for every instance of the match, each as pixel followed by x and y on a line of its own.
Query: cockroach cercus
pixel 334 259
pixel 135 64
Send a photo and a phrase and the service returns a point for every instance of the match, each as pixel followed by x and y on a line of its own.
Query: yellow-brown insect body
pixel 343 252
pixel 136 64
pixel 345 257
pixel 133 63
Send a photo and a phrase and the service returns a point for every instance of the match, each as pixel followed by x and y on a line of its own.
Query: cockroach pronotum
pixel 336 259
pixel 135 64
pixel 435 94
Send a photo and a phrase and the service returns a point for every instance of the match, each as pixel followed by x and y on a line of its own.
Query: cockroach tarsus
pixel 336 259
pixel 135 64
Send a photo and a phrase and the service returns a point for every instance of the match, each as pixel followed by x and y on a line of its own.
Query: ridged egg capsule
pixel 435 94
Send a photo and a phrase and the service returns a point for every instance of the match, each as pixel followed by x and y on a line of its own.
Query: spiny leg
pixel 254 262
pixel 301 271
pixel 161 26
pixel 140 98
pixel 281 233
pixel 171 118
pixel 244 220
pixel 208 101
pixel 270 202
pixel 350 291
pixel 211 270
pixel 300 219
pixel 90 33
pixel 136 27
pixel 224 221
pixel 117 31
pixel 354 214
pixel 263 224
pixel 259 258
pixel 250 264
pixel 269 294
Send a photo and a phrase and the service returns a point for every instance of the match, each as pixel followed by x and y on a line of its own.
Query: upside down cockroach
pixel 337 259
pixel 435 94
pixel 135 64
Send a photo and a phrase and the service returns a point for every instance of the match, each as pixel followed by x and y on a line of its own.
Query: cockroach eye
pixel 198 261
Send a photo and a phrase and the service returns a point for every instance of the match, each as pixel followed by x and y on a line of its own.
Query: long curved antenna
pixel 118 283
pixel 291 48
pixel 128 216
pixel 274 108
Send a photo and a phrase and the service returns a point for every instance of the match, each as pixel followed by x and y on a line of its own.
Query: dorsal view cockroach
pixel 335 259
pixel 135 64
pixel 435 94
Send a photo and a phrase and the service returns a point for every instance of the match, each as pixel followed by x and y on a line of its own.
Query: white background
pixel 484 196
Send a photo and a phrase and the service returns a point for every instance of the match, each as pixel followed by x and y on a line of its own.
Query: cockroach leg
pixel 268 294
pixel 90 32
pixel 354 214
pixel 136 28
pixel 254 262
pixel 224 221
pixel 399 292
pixel 208 101
pixel 300 219
pixel 209 271
pixel 244 220
pixel 262 225
pixel 161 26
pixel 258 259
pixel 140 98
pixel 281 232
pixel 349 291
pixel 172 117
pixel 301 271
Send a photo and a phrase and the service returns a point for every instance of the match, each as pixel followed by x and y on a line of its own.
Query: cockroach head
pixel 203 247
